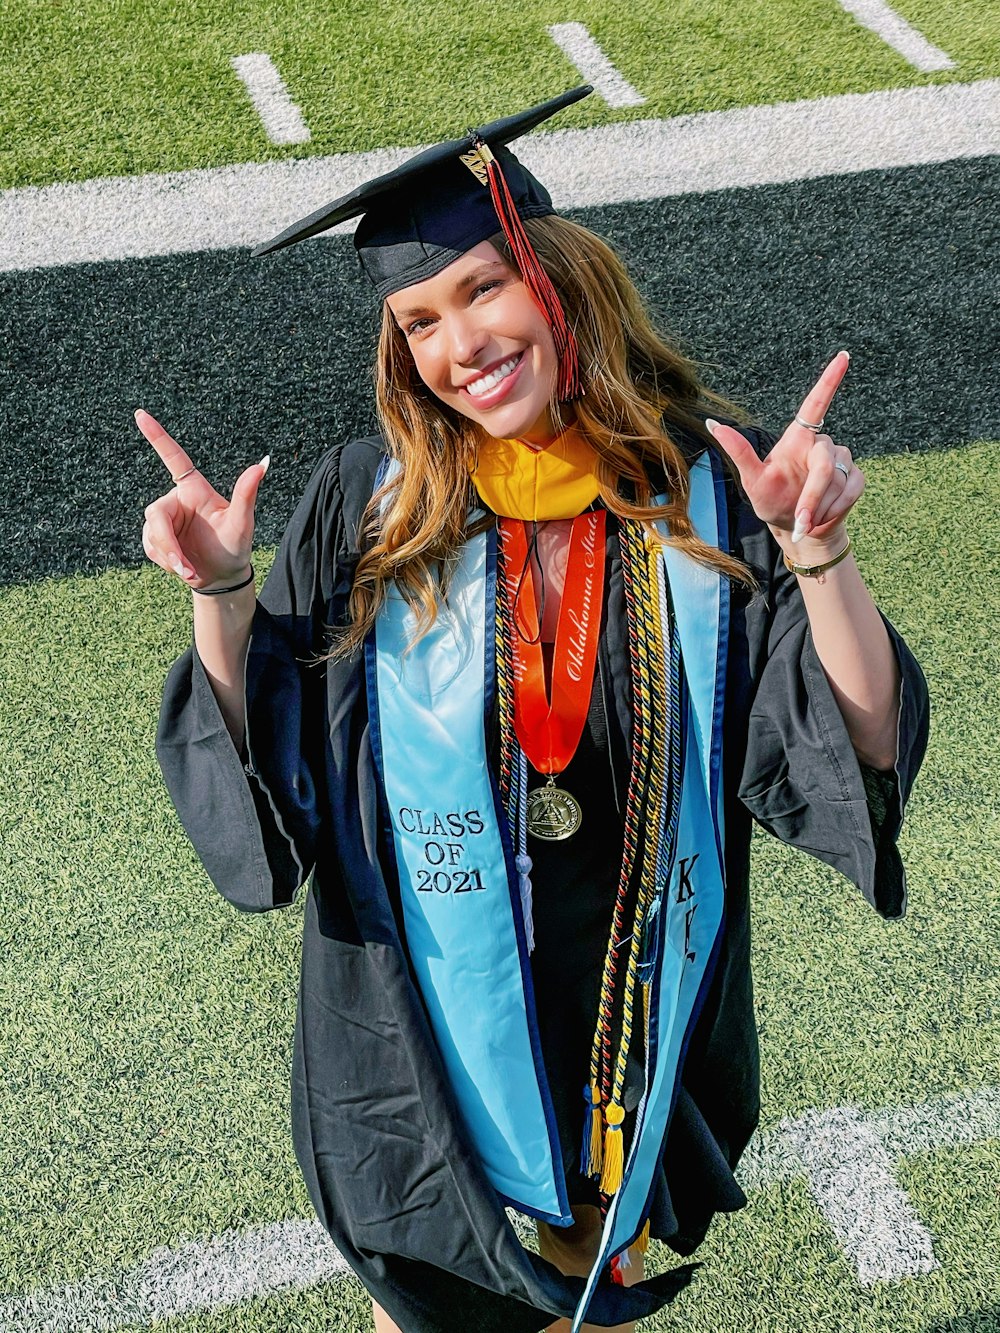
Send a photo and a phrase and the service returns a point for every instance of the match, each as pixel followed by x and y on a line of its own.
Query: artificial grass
pixel 145 1025
pixel 121 87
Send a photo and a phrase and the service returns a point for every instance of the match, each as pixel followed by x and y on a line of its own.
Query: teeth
pixel 490 381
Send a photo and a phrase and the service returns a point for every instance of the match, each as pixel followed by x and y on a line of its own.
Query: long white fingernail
pixel 265 463
pixel 176 566
pixel 711 425
pixel 802 525
pixel 845 352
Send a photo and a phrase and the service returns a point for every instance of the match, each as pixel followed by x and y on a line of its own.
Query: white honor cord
pixel 522 860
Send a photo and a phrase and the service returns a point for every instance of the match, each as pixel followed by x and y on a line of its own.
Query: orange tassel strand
pixel 537 281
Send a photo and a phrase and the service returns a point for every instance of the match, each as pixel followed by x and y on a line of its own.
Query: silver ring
pixel 842 467
pixel 808 425
pixel 175 480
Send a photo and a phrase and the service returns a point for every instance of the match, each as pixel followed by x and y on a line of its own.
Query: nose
pixel 468 337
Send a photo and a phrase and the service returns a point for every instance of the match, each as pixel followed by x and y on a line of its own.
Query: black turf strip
pixel 240 357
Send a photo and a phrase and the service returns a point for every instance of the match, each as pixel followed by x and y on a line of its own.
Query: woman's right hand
pixel 194 531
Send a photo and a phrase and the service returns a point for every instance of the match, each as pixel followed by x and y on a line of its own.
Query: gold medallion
pixel 553 814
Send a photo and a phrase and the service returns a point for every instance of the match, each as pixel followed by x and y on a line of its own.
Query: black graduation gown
pixel 375 1128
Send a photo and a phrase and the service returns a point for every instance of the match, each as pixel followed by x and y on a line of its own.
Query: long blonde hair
pixel 638 393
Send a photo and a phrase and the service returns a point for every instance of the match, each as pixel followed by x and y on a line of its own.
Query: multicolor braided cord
pixel 650 817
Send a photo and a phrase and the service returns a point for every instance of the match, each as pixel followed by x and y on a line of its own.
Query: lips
pixel 476 388
pixel 495 384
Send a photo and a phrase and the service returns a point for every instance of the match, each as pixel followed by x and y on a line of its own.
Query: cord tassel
pixel 523 864
pixel 522 860
pixel 537 281
pixel 592 1146
pixel 614 1155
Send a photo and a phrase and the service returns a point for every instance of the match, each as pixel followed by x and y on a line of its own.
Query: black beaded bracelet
pixel 217 592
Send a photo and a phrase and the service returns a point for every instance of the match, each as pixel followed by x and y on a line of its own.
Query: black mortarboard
pixel 419 218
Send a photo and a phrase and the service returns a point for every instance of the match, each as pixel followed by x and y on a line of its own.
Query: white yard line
pixel 894 30
pixel 281 118
pixel 579 47
pixel 946 1122
pixel 851 1178
pixel 198 1275
pixel 226 207
pixel 845 1154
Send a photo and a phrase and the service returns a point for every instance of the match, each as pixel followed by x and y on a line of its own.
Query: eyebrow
pixel 475 276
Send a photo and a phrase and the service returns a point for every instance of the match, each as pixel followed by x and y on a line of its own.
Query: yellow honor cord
pixel 517 481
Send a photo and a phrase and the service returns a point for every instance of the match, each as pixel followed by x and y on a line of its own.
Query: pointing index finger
pixel 817 401
pixel 174 458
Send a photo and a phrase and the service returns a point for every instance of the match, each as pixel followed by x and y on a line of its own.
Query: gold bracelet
pixel 811 571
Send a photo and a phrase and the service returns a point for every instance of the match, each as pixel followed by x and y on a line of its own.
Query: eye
pixel 416 327
pixel 488 286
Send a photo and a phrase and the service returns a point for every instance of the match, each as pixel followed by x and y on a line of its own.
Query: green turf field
pixel 122 88
pixel 145 1026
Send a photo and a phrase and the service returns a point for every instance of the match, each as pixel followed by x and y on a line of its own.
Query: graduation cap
pixel 419 218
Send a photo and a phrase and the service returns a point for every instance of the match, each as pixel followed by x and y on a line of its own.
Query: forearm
pixel 854 648
pixel 222 634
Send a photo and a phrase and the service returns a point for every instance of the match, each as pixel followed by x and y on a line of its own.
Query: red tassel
pixel 538 282
pixel 616 1272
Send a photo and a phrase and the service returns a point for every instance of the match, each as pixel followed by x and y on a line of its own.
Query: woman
pixel 662 643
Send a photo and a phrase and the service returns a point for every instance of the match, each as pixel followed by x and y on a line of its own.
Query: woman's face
pixel 481 345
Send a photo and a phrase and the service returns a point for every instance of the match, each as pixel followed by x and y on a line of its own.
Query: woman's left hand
pixel 806 484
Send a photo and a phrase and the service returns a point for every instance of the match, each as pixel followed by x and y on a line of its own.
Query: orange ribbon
pixel 549 729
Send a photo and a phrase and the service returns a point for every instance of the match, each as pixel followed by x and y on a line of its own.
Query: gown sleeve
pixel 254 819
pixel 802 780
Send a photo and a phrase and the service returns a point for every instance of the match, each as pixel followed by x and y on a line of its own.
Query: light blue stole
pixel 458 884
pixel 429 706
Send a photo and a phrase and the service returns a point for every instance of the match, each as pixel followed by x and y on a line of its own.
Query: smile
pixel 482 386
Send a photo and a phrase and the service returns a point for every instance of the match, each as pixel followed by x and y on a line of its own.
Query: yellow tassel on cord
pixel 641 1242
pixel 646 988
pixel 614 1156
